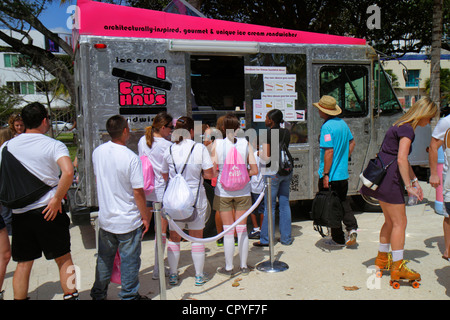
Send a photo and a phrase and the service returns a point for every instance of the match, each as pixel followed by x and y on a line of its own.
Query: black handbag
pixel 286 162
pixel 374 173
pixel 18 186
pixel 326 211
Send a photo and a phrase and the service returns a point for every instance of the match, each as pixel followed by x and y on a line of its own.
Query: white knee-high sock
pixel 242 235
pixel 228 246
pixel 384 247
pixel 198 257
pixel 397 255
pixel 164 240
pixel 173 256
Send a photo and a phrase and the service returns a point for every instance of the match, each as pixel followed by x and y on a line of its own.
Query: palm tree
pixel 444 86
pixel 436 54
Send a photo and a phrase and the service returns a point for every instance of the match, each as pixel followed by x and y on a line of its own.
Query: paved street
pixel 316 271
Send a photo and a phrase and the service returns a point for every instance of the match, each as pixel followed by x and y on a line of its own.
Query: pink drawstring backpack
pixel 149 175
pixel 234 172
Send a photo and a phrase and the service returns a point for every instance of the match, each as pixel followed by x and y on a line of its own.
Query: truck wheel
pixel 366 204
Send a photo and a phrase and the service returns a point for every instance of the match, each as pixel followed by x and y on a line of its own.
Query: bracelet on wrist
pixel 414 180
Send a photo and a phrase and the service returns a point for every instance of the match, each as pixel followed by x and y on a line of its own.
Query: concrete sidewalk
pixel 316 271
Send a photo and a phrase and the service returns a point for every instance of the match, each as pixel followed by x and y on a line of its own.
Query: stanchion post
pixel 270 219
pixel 162 278
pixel 271 265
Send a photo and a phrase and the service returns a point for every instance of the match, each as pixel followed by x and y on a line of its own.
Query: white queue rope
pixel 220 235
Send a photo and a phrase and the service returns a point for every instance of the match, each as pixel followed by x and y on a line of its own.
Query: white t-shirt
pixel 439 133
pixel 257 181
pixel 199 160
pixel 223 146
pixel 118 171
pixel 39 154
pixel 155 155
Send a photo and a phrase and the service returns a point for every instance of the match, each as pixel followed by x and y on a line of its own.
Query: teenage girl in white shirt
pixel 153 144
pixel 199 166
pixel 240 200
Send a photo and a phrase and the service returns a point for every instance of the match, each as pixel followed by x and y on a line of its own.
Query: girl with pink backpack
pixel 232 192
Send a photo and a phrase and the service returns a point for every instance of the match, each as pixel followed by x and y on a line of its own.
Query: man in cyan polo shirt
pixel 336 146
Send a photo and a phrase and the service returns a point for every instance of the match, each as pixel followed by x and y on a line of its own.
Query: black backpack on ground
pixel 18 186
pixel 326 211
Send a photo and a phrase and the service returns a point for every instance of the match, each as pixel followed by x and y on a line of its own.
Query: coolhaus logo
pixel 140 95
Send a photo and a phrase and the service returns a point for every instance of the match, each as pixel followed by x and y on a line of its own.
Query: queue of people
pixel 235 165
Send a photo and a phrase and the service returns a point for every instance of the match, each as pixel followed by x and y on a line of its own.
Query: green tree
pixel 23 15
pixel 7 102
pixel 394 79
pixel 444 86
pixel 406 25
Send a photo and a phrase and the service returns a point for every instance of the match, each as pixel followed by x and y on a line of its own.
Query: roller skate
pixel 399 271
pixel 383 262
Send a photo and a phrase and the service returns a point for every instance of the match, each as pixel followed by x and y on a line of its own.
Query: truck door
pixel 349 85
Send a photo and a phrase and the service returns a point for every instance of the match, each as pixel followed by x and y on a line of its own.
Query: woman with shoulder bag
pixel 199 166
pixel 280 183
pixel 390 193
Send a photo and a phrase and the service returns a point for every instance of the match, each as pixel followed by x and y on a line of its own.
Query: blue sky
pixel 55 16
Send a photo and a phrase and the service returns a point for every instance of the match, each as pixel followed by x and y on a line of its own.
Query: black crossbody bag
pixel 18 186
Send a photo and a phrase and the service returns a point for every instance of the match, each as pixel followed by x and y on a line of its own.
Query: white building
pixel 418 69
pixel 27 81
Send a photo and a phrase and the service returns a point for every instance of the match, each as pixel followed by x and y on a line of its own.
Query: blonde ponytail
pixel 149 136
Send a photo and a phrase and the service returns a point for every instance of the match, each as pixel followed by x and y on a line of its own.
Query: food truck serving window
pixel 349 86
pixel 217 84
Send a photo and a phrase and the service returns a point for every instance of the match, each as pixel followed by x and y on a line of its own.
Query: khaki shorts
pixel 224 204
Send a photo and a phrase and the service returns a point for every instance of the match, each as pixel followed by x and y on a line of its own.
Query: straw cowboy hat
pixel 327 104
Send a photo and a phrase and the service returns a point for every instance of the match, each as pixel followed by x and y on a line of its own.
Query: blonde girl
pixel 400 176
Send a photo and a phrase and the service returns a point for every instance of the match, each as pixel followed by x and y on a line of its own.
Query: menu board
pixel 279 93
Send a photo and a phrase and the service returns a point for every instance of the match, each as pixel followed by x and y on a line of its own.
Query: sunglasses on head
pixel 169 125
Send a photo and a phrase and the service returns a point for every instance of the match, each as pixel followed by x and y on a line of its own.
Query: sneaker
pixel 259 244
pixel 351 241
pixel 72 296
pixel 224 272
pixel 220 242
pixel 2 295
pixel 332 243
pixel 155 275
pixel 139 297
pixel 173 279
pixel 201 280
pixel 254 234
pixel 245 271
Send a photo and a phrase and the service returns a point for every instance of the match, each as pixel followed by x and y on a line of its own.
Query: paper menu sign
pixel 279 93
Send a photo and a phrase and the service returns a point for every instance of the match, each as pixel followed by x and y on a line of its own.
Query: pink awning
pixel 102 19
